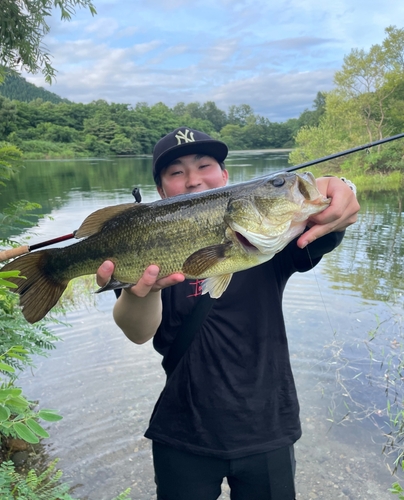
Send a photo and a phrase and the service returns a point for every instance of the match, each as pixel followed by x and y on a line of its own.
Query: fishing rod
pixel 15 252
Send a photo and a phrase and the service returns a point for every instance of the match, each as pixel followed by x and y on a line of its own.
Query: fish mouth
pixel 246 244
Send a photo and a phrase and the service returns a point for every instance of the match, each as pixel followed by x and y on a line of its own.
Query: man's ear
pixel 161 192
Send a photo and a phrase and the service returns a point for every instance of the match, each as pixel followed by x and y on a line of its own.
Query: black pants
pixel 185 476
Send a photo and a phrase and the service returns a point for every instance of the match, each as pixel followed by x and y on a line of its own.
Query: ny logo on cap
pixel 181 136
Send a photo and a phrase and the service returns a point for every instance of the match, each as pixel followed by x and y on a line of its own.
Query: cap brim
pixel 216 149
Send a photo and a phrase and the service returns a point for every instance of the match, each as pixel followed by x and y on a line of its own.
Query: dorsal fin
pixel 94 222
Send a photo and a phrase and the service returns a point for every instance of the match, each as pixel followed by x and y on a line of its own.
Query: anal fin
pixel 216 285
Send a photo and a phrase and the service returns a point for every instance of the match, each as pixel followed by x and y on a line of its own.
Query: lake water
pixel 345 329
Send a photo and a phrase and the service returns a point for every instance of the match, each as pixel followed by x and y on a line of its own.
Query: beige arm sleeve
pixel 138 317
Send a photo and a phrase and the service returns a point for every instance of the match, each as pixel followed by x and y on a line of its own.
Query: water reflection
pixel 371 260
pixel 342 319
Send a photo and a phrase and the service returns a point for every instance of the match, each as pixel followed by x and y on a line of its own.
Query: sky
pixel 274 55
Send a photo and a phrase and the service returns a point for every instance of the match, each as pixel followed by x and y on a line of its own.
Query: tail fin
pixel 38 291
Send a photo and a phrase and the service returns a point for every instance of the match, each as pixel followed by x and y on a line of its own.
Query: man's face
pixel 191 174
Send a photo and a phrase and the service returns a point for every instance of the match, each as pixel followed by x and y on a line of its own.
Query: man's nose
pixel 193 179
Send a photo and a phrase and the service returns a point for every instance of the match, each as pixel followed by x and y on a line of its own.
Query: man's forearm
pixel 137 317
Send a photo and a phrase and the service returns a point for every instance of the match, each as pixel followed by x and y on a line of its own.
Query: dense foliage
pixel 44 486
pixel 43 128
pixel 15 87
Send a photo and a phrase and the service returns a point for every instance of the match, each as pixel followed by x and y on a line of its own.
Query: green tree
pixel 151 123
pixel 216 116
pixel 311 117
pixel 371 79
pixel 121 145
pixel 95 146
pixel 8 117
pixel 101 127
pixel 23 25
pixel 233 136
pixel 16 87
pixel 240 115
pixel 207 112
pixel 342 126
pixel 56 133
pixel 367 104
pixel 393 47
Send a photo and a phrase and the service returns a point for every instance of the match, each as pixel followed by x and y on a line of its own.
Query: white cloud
pixel 103 27
pixel 276 95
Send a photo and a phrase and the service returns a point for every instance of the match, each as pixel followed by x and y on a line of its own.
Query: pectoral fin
pixel 216 285
pixel 205 258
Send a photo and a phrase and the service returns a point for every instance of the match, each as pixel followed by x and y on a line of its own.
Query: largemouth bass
pixel 210 235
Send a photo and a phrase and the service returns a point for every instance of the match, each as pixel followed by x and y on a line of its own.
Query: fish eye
pixel 278 182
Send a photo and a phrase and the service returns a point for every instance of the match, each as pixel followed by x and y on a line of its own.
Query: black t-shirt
pixel 232 393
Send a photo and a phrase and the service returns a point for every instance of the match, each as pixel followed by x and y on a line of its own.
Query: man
pixel 230 407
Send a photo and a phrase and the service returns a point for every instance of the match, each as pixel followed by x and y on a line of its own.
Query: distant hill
pixel 16 87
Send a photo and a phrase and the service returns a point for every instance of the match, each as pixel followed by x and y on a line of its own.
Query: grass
pixel 377 183
pixel 365 182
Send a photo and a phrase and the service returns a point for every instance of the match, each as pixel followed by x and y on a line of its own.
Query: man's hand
pixel 341 213
pixel 147 283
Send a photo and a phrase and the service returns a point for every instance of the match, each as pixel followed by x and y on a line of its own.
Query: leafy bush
pixel 388 159
pixel 19 342
pixel 46 486
pixel 10 156
pixel 397 490
pixel 17 418
pixel 14 217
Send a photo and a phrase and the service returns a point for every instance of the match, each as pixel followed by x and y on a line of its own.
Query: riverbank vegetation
pixel 19 343
pixel 43 129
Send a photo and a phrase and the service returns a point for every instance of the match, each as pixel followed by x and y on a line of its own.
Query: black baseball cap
pixel 185 141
